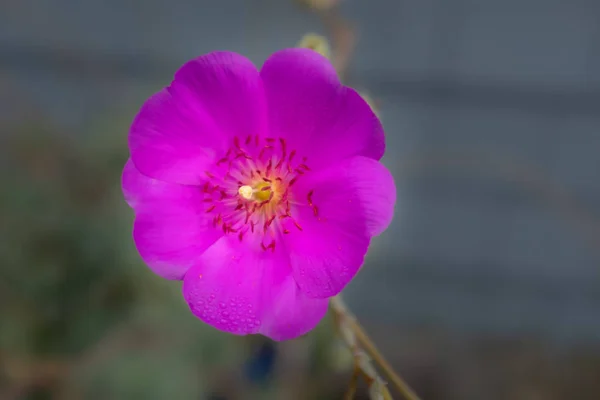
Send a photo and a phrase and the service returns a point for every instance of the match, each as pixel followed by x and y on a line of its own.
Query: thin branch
pixel 353 383
pixel 356 339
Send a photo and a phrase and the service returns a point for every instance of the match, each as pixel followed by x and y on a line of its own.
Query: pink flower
pixel 261 190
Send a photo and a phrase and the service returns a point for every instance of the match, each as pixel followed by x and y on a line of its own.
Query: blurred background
pixel 485 287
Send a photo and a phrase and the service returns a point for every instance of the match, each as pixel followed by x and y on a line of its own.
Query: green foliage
pixel 72 288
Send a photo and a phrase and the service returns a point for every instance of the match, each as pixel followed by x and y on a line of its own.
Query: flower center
pixel 261 191
pixel 250 190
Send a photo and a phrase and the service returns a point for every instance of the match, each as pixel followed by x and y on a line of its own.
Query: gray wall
pixel 492 110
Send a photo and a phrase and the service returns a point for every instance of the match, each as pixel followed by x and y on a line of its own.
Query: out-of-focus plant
pixel 80 318
pixel 319 5
pixel 340 31
pixel 318 43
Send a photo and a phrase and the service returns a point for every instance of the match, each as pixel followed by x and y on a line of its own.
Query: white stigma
pixel 246 192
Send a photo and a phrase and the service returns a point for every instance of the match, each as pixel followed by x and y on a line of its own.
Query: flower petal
pixel 171 230
pixel 180 131
pixel 319 117
pixel 239 290
pixel 354 201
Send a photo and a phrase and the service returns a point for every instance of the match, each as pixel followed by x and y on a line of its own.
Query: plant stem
pixel 354 336
pixel 353 383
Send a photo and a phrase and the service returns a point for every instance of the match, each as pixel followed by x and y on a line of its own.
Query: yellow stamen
pixel 261 192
